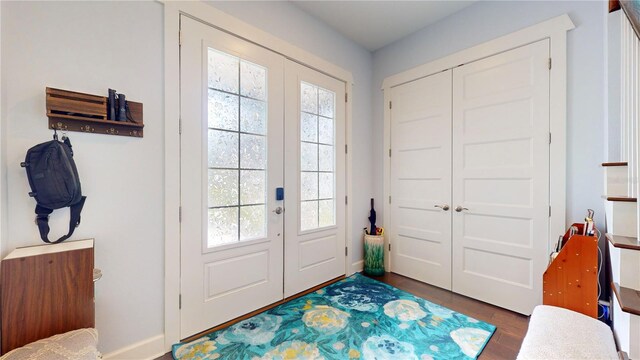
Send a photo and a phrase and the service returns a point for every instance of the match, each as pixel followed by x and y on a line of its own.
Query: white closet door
pixel 232 113
pixel 420 229
pixel 315 178
pixel 501 177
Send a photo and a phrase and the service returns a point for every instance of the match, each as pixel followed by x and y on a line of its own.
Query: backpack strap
pixel 67 142
pixel 42 220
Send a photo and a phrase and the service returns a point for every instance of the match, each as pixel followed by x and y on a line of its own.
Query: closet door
pixel 420 229
pixel 501 177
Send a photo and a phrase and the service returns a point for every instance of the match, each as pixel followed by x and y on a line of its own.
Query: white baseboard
pixel 357 266
pixel 147 349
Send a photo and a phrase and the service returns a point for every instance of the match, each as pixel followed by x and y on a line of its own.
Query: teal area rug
pixel 355 318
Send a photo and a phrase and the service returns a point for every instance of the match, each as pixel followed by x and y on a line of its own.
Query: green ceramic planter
pixel 374 255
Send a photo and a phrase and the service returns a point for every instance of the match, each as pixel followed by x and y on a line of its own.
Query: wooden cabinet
pixel 46 290
pixel 571 280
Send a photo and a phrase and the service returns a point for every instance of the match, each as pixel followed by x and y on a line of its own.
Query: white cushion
pixel 557 333
pixel 73 345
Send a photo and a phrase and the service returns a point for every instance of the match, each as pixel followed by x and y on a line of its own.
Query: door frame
pixel 208 14
pixel 555 29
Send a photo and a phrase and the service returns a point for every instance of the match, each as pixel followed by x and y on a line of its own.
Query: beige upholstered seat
pixel 557 333
pixel 73 345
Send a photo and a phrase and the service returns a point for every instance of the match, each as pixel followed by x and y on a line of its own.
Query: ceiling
pixel 375 24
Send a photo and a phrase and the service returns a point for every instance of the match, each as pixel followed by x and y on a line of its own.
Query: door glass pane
pixel 253 80
pixel 223 110
pixel 325 130
pixel 252 151
pixel 308 157
pixel 223 187
pixel 223 225
pixel 309 98
pixel 252 222
pixel 309 215
pixel 252 183
pixel 309 185
pixel 317 157
pixel 223 149
pixel 325 158
pixel 325 215
pixel 237 153
pixel 308 127
pixel 223 71
pixel 325 103
pixel 253 116
pixel 326 185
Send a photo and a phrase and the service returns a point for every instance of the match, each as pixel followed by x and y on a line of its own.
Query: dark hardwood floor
pixel 511 327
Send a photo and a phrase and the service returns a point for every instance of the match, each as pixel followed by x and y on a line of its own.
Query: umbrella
pixel 372 219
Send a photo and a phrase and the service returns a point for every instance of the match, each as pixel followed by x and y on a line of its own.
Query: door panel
pixel 315 176
pixel 501 177
pixel 421 179
pixel 231 162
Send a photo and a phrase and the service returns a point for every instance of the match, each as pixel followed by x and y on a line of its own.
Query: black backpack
pixel 54 182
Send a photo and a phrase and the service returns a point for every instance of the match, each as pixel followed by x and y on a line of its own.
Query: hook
pixel 55 134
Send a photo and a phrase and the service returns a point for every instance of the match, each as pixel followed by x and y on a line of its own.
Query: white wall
pixel 3 158
pixel 291 24
pixel 90 47
pixel 93 46
pixel 586 51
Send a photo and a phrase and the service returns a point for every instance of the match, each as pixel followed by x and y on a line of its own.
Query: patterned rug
pixel 355 318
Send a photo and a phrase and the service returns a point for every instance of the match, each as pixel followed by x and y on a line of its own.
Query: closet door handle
pixel 460 208
pixel 444 207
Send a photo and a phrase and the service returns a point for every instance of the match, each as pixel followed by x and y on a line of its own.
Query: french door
pixel 235 102
pixel 232 109
pixel 470 178
pixel 315 159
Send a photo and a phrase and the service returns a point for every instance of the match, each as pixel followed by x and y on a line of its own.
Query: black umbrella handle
pixel 372 219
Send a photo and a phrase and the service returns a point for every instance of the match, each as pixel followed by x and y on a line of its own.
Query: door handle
pixel 460 208
pixel 444 207
pixel 279 210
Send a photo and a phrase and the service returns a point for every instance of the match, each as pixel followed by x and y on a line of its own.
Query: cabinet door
pixel 46 290
pixel 501 177
pixel 420 229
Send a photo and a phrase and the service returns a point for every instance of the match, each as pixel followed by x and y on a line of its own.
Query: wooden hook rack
pixel 75 111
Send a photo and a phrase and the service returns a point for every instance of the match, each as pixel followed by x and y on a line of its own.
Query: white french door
pixel 315 165
pixel 232 109
pixel 421 179
pixel 470 178
pixel 235 102
pixel 501 177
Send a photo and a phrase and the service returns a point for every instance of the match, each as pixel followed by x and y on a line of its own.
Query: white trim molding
pixel 555 30
pixel 357 266
pixel 220 20
pixel 147 349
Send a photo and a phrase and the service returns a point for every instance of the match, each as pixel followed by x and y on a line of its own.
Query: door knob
pixel 460 208
pixel 279 210
pixel 444 207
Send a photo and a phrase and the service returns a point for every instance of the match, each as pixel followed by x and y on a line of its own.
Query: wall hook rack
pixel 75 111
